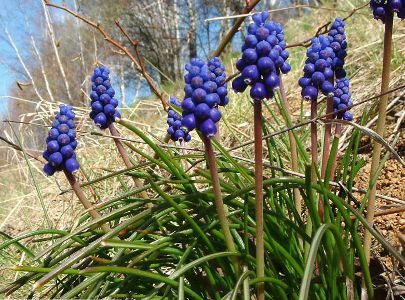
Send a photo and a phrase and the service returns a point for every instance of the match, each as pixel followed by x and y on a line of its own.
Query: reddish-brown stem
pixel 382 114
pixel 258 137
pixel 219 204
pixel 314 149
pixel 338 131
pixel 326 141
pixel 86 203
pixel 125 157
pixel 314 133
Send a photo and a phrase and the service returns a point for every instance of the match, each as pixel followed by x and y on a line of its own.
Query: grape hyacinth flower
pixel 61 143
pixel 202 97
pixel 342 100
pixel 381 8
pixel 205 90
pixel 175 130
pixel 263 58
pixel 318 72
pixel 103 104
pixel 338 43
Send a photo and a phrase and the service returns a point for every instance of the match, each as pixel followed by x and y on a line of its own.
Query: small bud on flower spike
pixel 338 43
pixel 263 58
pixel 205 90
pixel 380 8
pixel 61 143
pixel 176 130
pixel 342 100
pixel 103 104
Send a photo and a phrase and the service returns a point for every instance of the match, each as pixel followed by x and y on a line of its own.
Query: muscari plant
pixel 172 245
pixel 263 59
pixel 60 154
pixel 104 112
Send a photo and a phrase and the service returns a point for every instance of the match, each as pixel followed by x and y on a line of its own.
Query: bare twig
pixel 55 48
pixel 108 38
pixel 229 35
pixel 17 52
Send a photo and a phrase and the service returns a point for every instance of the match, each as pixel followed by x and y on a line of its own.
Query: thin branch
pixel 55 48
pixel 48 88
pixel 17 52
pixel 229 35
pixel 116 44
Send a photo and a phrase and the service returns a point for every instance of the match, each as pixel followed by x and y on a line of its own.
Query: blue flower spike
pixel 264 58
pixel 103 104
pixel 318 73
pixel 381 8
pixel 61 143
pixel 342 100
pixel 205 90
pixel 176 130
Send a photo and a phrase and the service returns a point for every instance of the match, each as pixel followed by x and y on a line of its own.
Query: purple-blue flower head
pixel 342 100
pixel 61 143
pixel 176 130
pixel 381 8
pixel 263 58
pixel 205 90
pixel 318 73
pixel 103 104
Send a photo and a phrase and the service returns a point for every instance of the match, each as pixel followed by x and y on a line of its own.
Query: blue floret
pixel 205 90
pixel 176 130
pixel 61 142
pixel 342 100
pixel 103 104
pixel 263 58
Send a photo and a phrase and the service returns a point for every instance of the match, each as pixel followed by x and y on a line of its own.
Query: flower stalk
pixel 258 137
pixel 86 203
pixel 382 113
pixel 328 132
pixel 125 157
pixel 219 204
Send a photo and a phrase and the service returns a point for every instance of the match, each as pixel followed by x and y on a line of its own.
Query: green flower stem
pixel 382 113
pixel 125 158
pixel 86 203
pixel 219 204
pixel 293 146
pixel 258 137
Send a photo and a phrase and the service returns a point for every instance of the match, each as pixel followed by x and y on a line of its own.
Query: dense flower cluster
pixel 380 8
pixel 103 104
pixel 342 99
pixel 175 130
pixel 202 97
pixel 318 73
pixel 338 43
pixel 263 58
pixel 218 70
pixel 61 143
